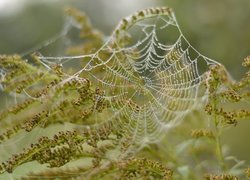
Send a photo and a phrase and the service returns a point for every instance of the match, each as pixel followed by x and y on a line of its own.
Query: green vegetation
pixel 60 126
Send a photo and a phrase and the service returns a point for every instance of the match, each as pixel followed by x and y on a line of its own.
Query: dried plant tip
pixel 198 133
pixel 246 62
pixel 220 177
pixel 247 172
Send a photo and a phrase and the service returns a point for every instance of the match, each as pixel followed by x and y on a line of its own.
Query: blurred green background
pixel 218 29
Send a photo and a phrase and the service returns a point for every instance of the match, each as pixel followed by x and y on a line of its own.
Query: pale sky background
pixel 9 7
pixel 12 7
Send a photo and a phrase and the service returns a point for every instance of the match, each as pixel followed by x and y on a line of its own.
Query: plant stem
pixel 219 152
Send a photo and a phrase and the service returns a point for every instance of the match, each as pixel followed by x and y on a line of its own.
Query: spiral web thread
pixel 149 73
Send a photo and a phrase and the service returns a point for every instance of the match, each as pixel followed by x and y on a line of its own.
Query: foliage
pixel 49 98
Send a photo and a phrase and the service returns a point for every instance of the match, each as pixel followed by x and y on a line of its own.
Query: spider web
pixel 150 75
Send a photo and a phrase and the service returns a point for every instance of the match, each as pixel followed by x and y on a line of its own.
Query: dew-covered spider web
pixel 128 93
pixel 149 75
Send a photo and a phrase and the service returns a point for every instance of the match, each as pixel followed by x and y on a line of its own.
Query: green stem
pixel 219 152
